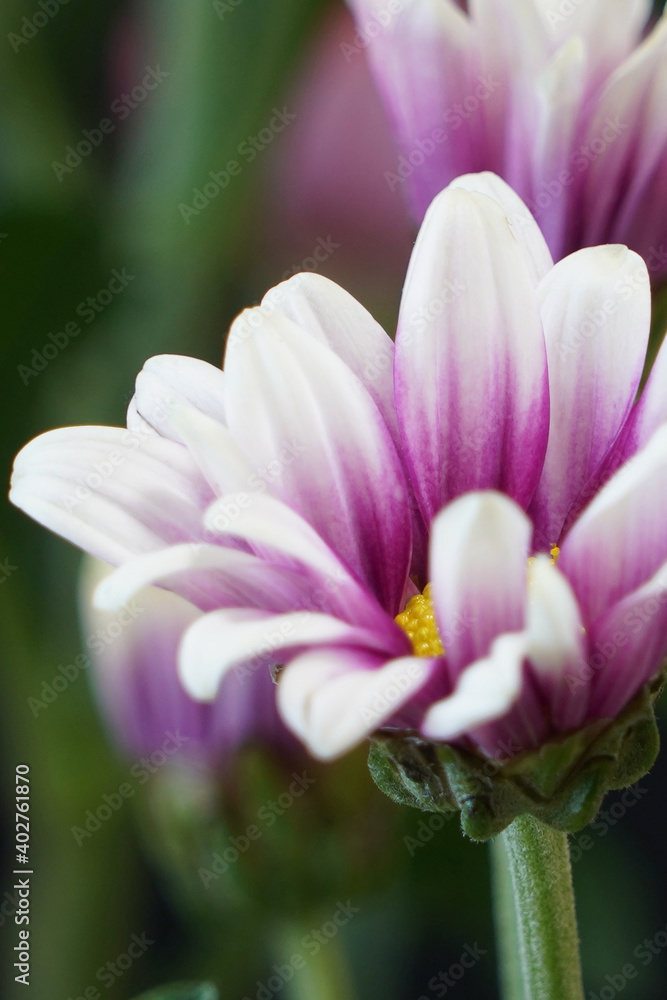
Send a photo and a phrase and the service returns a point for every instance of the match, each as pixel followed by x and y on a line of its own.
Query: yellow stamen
pixel 554 552
pixel 419 624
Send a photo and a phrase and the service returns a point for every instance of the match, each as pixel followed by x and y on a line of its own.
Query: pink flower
pixel 565 101
pixel 134 675
pixel 303 498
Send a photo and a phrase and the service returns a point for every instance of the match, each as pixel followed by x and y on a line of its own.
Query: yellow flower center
pixel 419 624
pixel 418 619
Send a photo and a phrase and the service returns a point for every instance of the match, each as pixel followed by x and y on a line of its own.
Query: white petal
pixel 609 28
pixel 320 444
pixel 478 564
pixel 335 318
pixel 620 539
pixel 112 492
pixel 213 448
pixel 596 307
pixel 523 226
pixel 234 576
pixel 486 690
pixel 418 91
pixel 170 379
pixel 332 699
pixel 554 626
pixel 618 115
pixel 471 374
pixel 224 639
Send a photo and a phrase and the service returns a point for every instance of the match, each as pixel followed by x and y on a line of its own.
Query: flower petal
pixel 555 641
pixel 522 224
pixel 227 638
pixel 214 450
pixel 629 645
pixel 335 318
pixel 169 379
pixel 485 691
pixel 620 540
pixel 559 91
pixel 471 377
pixel 479 550
pixel 413 89
pixel 333 698
pixel 112 492
pixel 596 309
pixel 210 577
pixel 279 534
pixel 613 129
pixel 315 434
pixel 609 28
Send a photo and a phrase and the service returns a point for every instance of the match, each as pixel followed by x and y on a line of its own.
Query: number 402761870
pixel 22 809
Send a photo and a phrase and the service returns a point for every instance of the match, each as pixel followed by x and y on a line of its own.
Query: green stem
pixel 535 917
pixel 324 975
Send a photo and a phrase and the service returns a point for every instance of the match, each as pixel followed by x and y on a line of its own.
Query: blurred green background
pixel 67 221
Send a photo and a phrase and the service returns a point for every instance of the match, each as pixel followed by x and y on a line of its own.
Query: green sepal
pixel 563 783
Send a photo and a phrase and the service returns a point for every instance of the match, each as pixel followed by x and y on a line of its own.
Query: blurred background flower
pixel 563 100
pixel 137 221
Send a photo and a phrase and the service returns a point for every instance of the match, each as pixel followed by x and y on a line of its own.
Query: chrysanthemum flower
pixel 459 536
pixel 565 101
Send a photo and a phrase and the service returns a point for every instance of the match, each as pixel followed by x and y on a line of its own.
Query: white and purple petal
pixel 471 374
